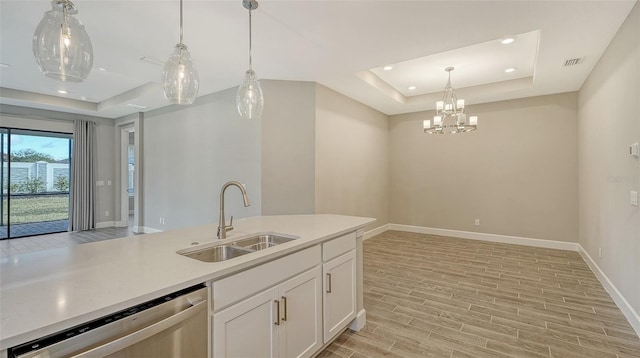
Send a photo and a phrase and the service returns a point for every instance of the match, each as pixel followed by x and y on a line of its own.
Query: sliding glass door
pixel 35 182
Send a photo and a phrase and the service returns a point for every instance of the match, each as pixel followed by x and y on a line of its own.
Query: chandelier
pixel 450 117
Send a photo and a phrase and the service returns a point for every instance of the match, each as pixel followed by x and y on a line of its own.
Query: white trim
pixel 121 223
pixel 618 298
pixel 379 230
pixel 146 230
pixel 360 321
pixel 104 224
pixel 505 239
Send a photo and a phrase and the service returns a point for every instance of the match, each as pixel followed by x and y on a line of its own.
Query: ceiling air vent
pixel 573 61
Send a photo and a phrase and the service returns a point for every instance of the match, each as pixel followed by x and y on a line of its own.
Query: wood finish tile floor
pixel 434 296
pixel 51 241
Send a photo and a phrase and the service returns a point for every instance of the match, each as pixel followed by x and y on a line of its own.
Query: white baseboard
pixel 146 230
pixel 360 321
pixel 104 224
pixel 379 230
pixel 121 223
pixel 505 239
pixel 621 302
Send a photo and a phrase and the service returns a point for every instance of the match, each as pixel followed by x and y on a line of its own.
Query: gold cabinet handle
pixel 284 302
pixel 329 284
pixel 277 322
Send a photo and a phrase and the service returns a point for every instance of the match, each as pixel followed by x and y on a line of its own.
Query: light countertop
pixel 47 291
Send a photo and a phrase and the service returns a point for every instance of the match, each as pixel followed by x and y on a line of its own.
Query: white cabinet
pixel 301 324
pixel 339 297
pixel 246 329
pixel 283 321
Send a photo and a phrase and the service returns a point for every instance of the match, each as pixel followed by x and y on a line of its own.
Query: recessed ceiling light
pixel 507 40
pixel 5 65
pixel 84 98
pixel 62 91
pixel 387 68
pixel 411 88
pixel 101 69
pixel 509 70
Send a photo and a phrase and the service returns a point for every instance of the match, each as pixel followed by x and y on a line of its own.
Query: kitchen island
pixel 47 291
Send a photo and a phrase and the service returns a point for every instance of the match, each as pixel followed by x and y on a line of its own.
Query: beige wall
pixel 352 158
pixel 189 153
pixel 609 120
pixel 288 147
pixel 517 173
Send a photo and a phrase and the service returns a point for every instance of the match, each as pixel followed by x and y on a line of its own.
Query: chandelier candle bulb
pixel 426 124
pixel 460 104
pixel 473 120
pixel 437 121
pixel 439 106
pixel 462 119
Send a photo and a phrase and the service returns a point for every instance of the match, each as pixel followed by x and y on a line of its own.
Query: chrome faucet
pixel 222 226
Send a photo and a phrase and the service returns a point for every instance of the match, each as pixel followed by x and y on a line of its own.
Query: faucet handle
pixel 230 226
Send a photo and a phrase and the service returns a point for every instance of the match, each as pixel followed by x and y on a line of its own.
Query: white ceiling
pixel 340 44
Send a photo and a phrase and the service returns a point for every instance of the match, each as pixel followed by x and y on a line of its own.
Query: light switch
pixel 109 182
pixel 634 150
pixel 634 198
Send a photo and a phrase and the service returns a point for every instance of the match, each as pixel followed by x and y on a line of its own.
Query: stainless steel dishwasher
pixel 174 325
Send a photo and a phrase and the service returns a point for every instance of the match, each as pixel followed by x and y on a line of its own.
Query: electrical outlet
pixel 633 198
pixel 477 223
pixel 106 213
pixel 599 252
pixel 161 220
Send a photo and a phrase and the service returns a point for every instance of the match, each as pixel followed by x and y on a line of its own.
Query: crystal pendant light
pixel 61 45
pixel 249 99
pixel 179 77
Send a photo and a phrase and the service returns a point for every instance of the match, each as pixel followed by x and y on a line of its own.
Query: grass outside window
pixel 36 208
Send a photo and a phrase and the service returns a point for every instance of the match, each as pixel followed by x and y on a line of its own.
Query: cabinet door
pixel 301 328
pixel 339 291
pixel 248 328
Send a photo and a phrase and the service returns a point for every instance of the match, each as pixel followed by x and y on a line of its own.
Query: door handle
pixel 329 284
pixel 284 302
pixel 277 322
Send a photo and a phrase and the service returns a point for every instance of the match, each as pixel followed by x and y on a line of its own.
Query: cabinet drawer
pixel 244 284
pixel 339 246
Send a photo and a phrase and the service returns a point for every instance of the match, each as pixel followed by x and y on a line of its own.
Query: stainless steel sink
pixel 217 253
pixel 235 248
pixel 261 242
